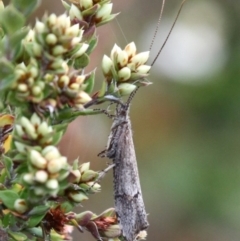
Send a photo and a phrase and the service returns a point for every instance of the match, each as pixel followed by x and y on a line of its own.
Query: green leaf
pixel 8 165
pixel 25 6
pixel 57 138
pixel 89 83
pixel 11 20
pixel 81 62
pixel 39 210
pixel 8 198
pixel 92 45
pixel 35 220
pixel 17 236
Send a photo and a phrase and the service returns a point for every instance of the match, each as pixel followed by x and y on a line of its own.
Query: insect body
pixel 128 198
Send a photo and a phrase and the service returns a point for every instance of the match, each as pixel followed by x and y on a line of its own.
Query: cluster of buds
pixel 27 86
pixel 34 132
pixel 55 40
pixel 90 12
pixel 126 69
pixel 47 170
pixel 72 89
pixel 104 225
pixel 84 181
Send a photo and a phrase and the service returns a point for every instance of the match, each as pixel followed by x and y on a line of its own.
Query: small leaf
pixel 17 236
pixel 8 165
pixel 25 6
pixel 92 45
pixel 81 62
pixel 89 83
pixel 8 198
pixel 11 20
pixel 39 210
pixel 35 220
pixel 57 138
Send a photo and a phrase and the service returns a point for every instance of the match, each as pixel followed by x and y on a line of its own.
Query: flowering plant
pixel 43 88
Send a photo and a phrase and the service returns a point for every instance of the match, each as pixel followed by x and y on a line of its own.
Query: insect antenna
pixel 157 27
pixel 164 43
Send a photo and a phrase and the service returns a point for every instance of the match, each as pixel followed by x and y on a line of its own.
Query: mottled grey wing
pixel 129 203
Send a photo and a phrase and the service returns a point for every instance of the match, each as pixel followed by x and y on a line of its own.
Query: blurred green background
pixel 186 125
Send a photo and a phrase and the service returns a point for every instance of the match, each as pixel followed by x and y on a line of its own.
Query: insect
pixel 128 198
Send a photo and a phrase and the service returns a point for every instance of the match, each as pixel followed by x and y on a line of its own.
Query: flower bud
pixel 44 129
pixel 122 58
pixel 39 27
pixel 37 160
pixel 124 74
pixel 28 178
pixel 140 59
pixel 82 50
pixel 143 69
pixel 115 50
pixel 84 167
pixel 51 39
pixel 89 175
pixel 36 90
pixel 85 4
pixel 52 184
pixel 77 196
pixel 20 206
pixel 131 49
pixel 54 166
pixel 77 176
pixel 58 50
pixel 35 120
pixel 104 11
pixel 22 87
pixel 112 231
pixel 107 64
pixel 50 152
pixel 29 128
pixel 126 89
pixel 41 176
pixel 19 130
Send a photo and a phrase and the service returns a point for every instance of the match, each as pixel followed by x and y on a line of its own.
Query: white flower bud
pixel 37 160
pixel 131 49
pixel 126 89
pixel 52 19
pixel 39 191
pixel 85 4
pixel 36 90
pixel 106 65
pixel 77 175
pixel 82 50
pixel 19 130
pixel 104 11
pixel 54 166
pixel 35 120
pixel 22 87
pixel 143 69
pixel 50 153
pixel 51 39
pixel 41 176
pixel 73 31
pixel 40 27
pixel 124 74
pixel 122 58
pixel 84 167
pixel 74 12
pixel 78 196
pixel 140 59
pixel 44 129
pixel 115 50
pixel 29 128
pixel 52 184
pixel 20 206
pixel 58 50
pixel 28 178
